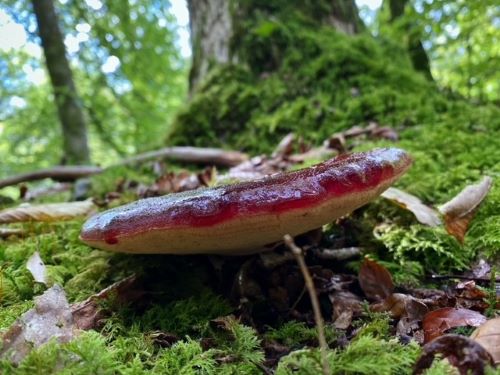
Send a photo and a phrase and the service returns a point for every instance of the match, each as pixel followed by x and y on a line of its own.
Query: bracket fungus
pixel 243 218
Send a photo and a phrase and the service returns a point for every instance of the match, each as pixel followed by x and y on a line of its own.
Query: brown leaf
pixel 173 183
pixel 37 268
pixel 459 211
pixel 345 305
pixel 465 354
pixel 375 280
pixel 89 314
pixel 424 214
pixel 50 318
pixel 438 321
pixel 47 212
pixel 399 305
pixel 488 335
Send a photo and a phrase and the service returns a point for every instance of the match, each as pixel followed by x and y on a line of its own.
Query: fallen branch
pixel 323 345
pixel 59 173
pixel 338 254
pixel 187 154
pixel 200 155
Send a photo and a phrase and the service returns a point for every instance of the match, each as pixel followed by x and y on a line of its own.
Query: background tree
pixel 69 108
pixel 216 26
pixel 126 64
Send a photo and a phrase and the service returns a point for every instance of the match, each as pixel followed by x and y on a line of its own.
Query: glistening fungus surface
pixel 280 193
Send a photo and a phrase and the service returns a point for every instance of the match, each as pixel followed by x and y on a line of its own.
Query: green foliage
pixel 69 263
pixel 463 45
pixel 294 334
pixel 186 316
pixel 364 355
pixel 128 109
pixel 375 325
pixel 87 354
pixel 186 358
pixel 8 314
pixel 432 247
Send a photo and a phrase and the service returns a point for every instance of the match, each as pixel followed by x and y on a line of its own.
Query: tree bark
pixel 213 22
pixel 418 56
pixel 69 109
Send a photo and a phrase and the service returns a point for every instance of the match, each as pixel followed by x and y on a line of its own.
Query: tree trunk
pixel 418 56
pixel 213 26
pixel 69 109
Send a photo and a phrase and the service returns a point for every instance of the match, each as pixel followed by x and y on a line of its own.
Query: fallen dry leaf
pixel 436 322
pixel 89 314
pixel 399 305
pixel 37 268
pixel 172 183
pixel 424 214
pixel 465 354
pixel 375 280
pixel 345 306
pixel 46 212
pixel 50 319
pixel 459 211
pixel 488 335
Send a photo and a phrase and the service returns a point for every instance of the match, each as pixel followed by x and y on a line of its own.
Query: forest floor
pixel 401 283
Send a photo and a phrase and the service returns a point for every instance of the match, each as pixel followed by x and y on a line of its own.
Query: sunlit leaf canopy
pixel 127 68
pixel 131 77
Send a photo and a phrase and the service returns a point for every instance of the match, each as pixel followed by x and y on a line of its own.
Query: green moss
pixel 365 355
pixel 375 325
pixel 9 314
pixel 186 316
pixel 88 354
pixel 295 334
pixel 185 357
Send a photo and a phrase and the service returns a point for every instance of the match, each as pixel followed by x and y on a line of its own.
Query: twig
pixel 338 254
pixel 61 173
pixel 297 251
pixel 461 277
pixel 191 155
pixel 186 154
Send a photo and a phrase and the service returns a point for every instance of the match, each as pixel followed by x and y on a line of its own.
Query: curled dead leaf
pixel 399 305
pixel 459 211
pixel 488 335
pixel 47 212
pixel 375 280
pixel 37 268
pixel 50 319
pixel 465 354
pixel 436 322
pixel 424 214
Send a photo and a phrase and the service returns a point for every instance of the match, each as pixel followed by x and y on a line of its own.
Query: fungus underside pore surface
pixel 452 142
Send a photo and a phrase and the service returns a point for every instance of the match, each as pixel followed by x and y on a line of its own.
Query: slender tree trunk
pixel 418 56
pixel 213 24
pixel 69 109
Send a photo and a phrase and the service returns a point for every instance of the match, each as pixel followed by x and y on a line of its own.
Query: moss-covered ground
pixel 314 82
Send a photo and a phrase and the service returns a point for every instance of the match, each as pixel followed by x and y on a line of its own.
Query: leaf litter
pixel 273 281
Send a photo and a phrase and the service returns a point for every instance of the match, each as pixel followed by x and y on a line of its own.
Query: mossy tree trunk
pixel 70 111
pixel 217 26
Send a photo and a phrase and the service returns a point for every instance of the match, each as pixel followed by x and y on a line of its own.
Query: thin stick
pixel 187 154
pixel 67 173
pixel 323 345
